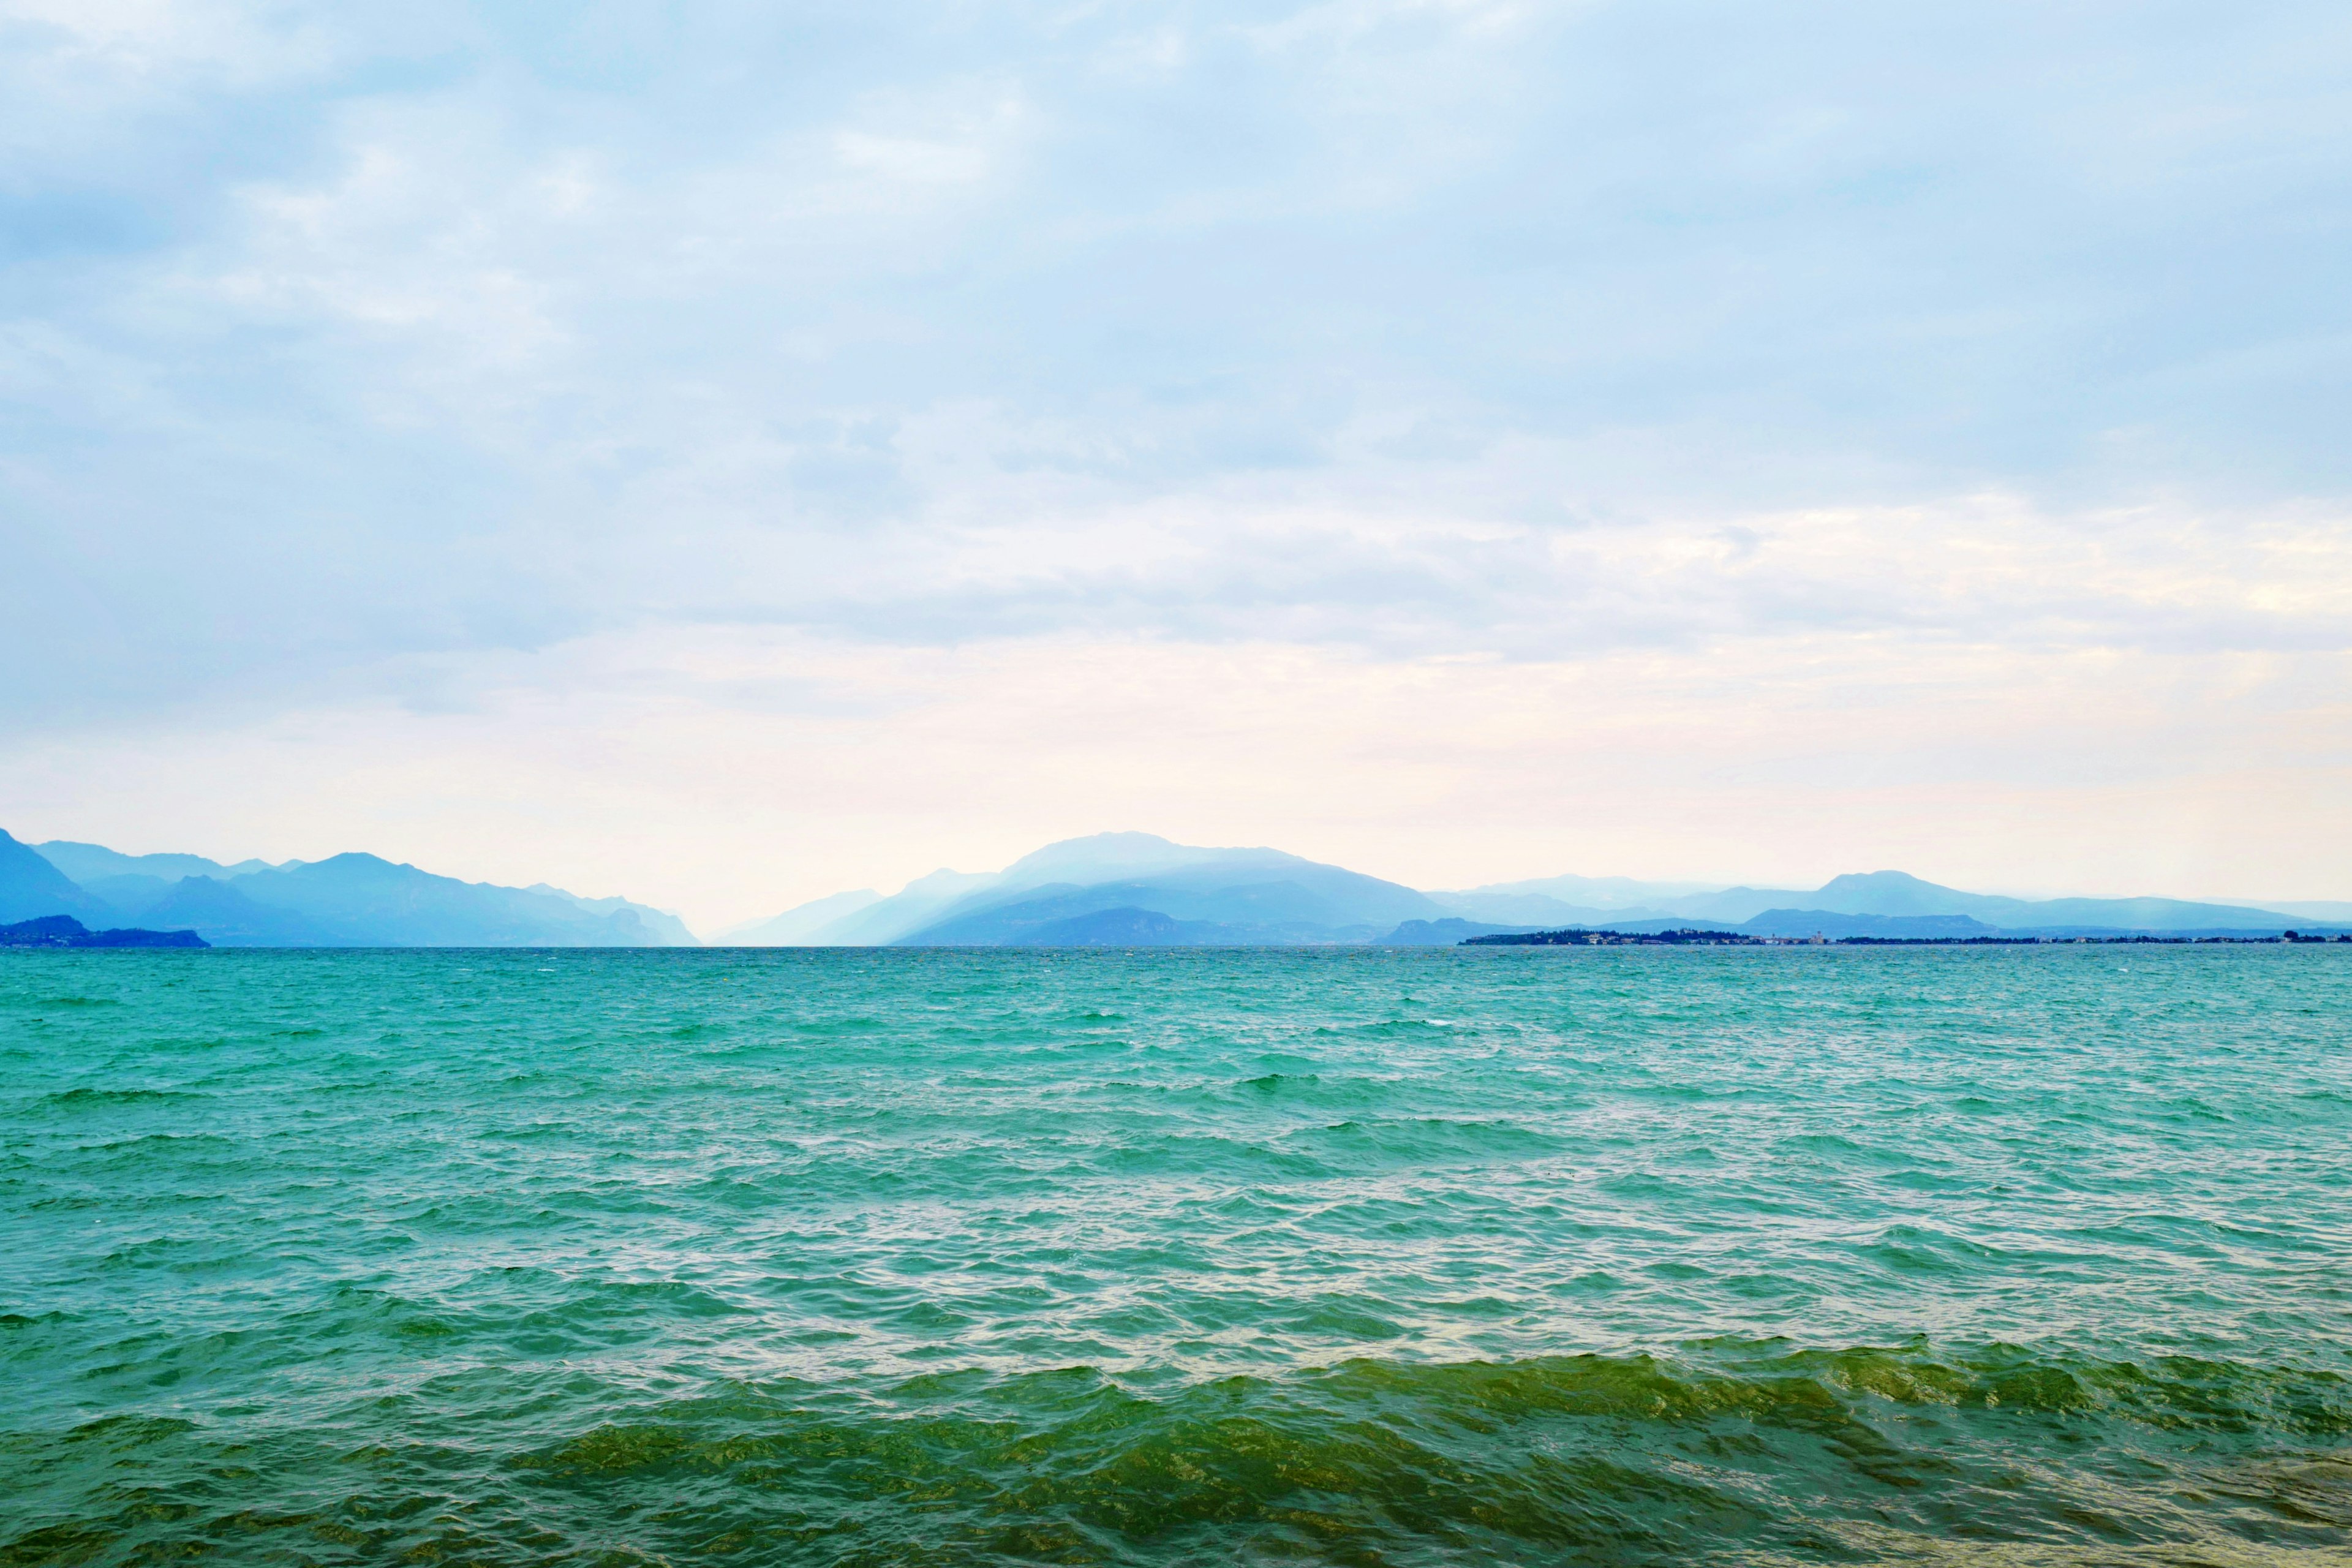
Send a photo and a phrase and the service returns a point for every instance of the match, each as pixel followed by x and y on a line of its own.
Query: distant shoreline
pixel 65 931
pixel 1697 937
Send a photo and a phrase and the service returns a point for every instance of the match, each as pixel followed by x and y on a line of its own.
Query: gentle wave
pixel 1859 1454
pixel 2003 1258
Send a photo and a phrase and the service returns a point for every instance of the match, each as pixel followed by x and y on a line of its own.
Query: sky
pixel 725 454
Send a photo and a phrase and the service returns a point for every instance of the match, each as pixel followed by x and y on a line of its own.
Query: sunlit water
pixel 1616 1256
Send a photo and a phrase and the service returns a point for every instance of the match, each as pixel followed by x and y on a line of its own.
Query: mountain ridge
pixel 353 899
pixel 1109 889
pixel 31 888
pixel 1269 897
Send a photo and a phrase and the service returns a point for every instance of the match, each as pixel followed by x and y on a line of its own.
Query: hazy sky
pixel 726 453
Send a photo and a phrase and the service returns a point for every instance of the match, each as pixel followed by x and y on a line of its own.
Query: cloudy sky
pixel 725 453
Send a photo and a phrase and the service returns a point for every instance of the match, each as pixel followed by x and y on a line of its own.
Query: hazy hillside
pixel 1890 894
pixel 30 887
pixel 348 901
pixel 1898 893
pixel 1081 890
pixel 1254 896
pixel 2336 910
pixel 795 927
pixel 667 930
pixel 917 903
pixel 1623 895
pixel 1114 889
pixel 1262 895
pixel 1535 909
pixel 363 900
pixel 86 863
pixel 1447 932
pixel 223 915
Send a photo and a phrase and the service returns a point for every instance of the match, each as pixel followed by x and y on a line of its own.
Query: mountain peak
pixel 31 887
pixel 1106 857
pixel 1857 881
pixel 1901 893
pixel 1098 850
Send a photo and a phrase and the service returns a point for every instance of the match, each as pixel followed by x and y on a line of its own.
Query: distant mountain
pixel 1258 897
pixel 1046 920
pixel 1125 857
pixel 1129 861
pixel 1447 932
pixel 1537 910
pixel 131 895
pixel 348 901
pixel 30 887
pixel 1252 897
pixel 1906 906
pixel 2336 912
pixel 667 928
pixel 226 917
pixel 913 906
pixel 1898 893
pixel 365 900
pixel 2130 914
pixel 797 925
pixel 1834 924
pixel 1109 888
pixel 1657 923
pixel 1074 892
pixel 1131 927
pixel 1732 905
pixel 1619 894
pixel 86 863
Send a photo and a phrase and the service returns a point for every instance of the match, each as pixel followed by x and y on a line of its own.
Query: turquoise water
pixel 1622 1255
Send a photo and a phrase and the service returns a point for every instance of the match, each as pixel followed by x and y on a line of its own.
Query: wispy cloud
pixel 336 343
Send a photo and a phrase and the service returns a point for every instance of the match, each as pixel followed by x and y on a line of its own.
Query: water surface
pixel 1621 1256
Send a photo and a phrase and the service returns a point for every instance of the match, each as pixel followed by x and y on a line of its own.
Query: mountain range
pixel 347 900
pixel 1121 890
pixel 1128 889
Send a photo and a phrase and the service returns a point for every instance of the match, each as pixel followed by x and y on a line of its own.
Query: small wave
pixel 1421 1140
pixel 1719 1451
pixel 130 1432
pixel 77 1098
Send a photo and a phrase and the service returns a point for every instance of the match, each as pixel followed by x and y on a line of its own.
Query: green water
pixel 1612 1256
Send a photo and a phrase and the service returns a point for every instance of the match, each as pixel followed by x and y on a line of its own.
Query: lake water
pixel 1623 1256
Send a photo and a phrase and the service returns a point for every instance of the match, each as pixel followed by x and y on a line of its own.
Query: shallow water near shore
pixel 1629 1255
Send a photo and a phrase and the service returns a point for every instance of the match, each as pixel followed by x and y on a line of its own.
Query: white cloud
pixel 731 772
pixel 1370 339
pixel 233 42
